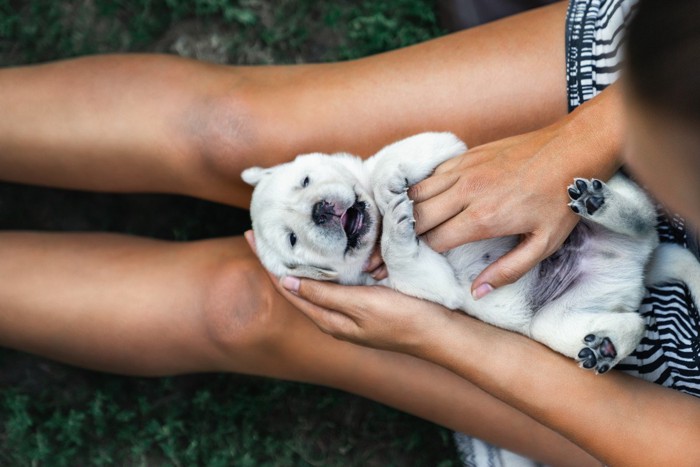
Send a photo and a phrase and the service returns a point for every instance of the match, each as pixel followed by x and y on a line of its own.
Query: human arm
pixel 616 418
pixel 517 186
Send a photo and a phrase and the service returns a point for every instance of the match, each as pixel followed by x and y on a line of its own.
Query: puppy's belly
pixel 558 273
pixel 506 307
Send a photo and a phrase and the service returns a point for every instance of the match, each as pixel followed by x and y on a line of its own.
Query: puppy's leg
pixel 407 162
pixel 673 263
pixel 414 268
pixel 597 340
pixel 620 205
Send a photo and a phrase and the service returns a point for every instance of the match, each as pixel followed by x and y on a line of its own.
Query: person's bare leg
pixel 137 306
pixel 158 123
pixel 172 125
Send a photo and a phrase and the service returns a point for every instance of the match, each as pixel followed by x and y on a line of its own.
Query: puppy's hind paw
pixel 598 354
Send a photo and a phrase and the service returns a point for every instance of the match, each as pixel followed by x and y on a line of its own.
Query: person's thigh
pixel 486 83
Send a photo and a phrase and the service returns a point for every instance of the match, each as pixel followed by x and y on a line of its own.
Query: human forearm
pixel 599 126
pixel 618 419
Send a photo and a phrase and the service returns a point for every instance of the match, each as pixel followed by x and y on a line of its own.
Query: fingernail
pixel 250 238
pixel 378 272
pixel 482 291
pixel 291 283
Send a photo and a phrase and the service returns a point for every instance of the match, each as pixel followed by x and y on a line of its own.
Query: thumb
pixel 509 267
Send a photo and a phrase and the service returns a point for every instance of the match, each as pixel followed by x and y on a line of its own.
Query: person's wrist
pixel 598 127
pixel 432 332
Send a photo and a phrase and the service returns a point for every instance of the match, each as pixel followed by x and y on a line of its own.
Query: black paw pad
pixel 587 358
pixel 599 353
pixel 586 195
pixel 607 349
pixel 594 203
pixel 574 194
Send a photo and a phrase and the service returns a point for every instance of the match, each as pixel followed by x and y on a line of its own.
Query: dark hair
pixel 663 56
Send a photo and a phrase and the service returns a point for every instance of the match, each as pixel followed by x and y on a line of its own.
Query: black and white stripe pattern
pixel 477 453
pixel 594 33
pixel 669 353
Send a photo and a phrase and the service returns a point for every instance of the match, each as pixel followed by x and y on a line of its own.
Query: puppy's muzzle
pixel 322 212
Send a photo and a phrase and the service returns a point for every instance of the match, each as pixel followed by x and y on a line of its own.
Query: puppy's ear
pixel 314 272
pixel 253 175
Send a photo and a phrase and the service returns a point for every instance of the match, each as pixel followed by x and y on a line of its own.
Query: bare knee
pixel 252 117
pixel 239 309
pixel 223 136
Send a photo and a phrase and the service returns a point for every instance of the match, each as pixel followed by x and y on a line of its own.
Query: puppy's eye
pixel 305 182
pixel 292 239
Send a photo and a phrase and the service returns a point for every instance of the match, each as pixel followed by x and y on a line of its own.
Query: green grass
pixel 43 30
pixel 215 420
pixel 52 414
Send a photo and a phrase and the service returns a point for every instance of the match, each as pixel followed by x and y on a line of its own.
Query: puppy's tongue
pixel 351 220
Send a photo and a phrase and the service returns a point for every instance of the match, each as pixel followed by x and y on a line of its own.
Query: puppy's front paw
pixel 399 222
pixel 587 196
pixel 388 192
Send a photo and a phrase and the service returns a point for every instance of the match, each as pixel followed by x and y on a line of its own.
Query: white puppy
pixel 320 215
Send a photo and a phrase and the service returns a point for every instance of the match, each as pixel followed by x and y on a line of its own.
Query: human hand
pixel 515 186
pixel 375 264
pixel 372 316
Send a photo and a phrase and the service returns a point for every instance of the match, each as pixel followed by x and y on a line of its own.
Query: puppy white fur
pixel 319 216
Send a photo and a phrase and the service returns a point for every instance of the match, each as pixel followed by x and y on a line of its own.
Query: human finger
pixel 380 273
pixel 510 267
pixel 340 298
pixel 327 320
pixel 450 164
pixel 250 239
pixel 431 186
pixel 375 260
pixel 437 210
pixel 467 226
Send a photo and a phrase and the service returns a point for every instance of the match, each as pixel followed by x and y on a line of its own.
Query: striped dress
pixel 669 353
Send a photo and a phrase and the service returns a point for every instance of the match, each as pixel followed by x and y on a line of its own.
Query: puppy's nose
pixel 322 212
